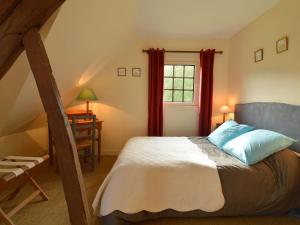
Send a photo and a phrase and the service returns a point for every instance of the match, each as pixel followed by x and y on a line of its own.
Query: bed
pixel 268 187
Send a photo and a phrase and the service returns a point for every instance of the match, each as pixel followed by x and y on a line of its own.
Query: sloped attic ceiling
pixel 84 36
pixel 198 18
pixel 82 39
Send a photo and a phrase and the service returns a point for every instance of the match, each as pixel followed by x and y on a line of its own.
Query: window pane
pixel 178 71
pixel 168 71
pixel 188 96
pixel 167 96
pixel 188 83
pixel 178 96
pixel 189 71
pixel 178 83
pixel 168 83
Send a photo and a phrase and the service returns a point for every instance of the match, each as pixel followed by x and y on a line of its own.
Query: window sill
pixel 180 104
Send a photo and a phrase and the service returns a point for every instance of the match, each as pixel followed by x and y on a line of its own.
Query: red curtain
pixel 206 91
pixel 156 88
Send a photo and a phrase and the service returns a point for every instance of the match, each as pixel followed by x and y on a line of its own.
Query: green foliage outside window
pixel 179 83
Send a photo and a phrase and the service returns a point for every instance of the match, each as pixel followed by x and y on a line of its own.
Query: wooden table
pixel 79 122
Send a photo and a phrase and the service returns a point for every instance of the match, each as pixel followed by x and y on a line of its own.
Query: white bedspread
pixel 158 173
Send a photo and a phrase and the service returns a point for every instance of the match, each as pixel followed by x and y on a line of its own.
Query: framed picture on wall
pixel 136 72
pixel 259 55
pixel 282 45
pixel 121 71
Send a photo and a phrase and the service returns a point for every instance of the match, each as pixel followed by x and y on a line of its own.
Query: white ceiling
pixel 198 18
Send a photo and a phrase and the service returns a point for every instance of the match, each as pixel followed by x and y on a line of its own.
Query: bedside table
pixel 218 124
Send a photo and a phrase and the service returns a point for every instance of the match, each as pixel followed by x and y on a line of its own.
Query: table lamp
pixel 87 94
pixel 224 109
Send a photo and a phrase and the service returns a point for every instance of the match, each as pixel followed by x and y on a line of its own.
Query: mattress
pixel 269 187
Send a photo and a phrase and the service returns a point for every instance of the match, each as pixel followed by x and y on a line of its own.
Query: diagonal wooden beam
pixel 7 6
pixel 62 134
pixel 16 18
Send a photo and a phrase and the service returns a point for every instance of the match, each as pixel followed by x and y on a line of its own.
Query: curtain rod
pixel 178 51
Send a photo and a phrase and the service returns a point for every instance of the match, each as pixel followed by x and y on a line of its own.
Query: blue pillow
pixel 256 145
pixel 221 136
pixel 225 125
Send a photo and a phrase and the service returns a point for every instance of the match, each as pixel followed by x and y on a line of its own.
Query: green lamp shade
pixel 87 94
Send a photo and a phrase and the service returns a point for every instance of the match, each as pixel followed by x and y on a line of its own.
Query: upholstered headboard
pixel 279 117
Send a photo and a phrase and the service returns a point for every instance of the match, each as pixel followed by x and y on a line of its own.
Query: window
pixel 179 83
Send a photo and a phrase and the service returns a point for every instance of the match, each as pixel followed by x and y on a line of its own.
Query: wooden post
pixel 62 134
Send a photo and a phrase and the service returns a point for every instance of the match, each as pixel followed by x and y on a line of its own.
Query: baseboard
pixel 110 152
pixel 104 152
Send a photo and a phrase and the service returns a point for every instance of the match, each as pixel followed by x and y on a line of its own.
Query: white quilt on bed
pixel 158 173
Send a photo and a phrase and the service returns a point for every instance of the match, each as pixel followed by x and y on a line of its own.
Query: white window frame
pixel 186 61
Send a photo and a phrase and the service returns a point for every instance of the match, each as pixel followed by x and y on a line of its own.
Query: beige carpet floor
pixel 54 212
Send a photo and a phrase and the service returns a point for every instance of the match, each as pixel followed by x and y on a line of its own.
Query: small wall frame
pixel 136 72
pixel 121 71
pixel 259 55
pixel 282 44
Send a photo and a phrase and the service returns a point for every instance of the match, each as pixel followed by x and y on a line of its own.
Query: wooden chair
pixel 84 131
pixel 16 171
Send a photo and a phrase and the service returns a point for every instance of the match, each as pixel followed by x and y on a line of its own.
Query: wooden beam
pixel 62 134
pixel 16 18
pixel 7 6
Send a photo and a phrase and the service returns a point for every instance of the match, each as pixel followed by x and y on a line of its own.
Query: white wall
pixel 277 77
pixel 78 50
pixel 123 101
pixel 31 142
pixel 82 39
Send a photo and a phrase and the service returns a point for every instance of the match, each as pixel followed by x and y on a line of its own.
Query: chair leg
pixel 4 218
pixel 93 162
pixel 86 153
pixel 99 147
pixel 92 155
